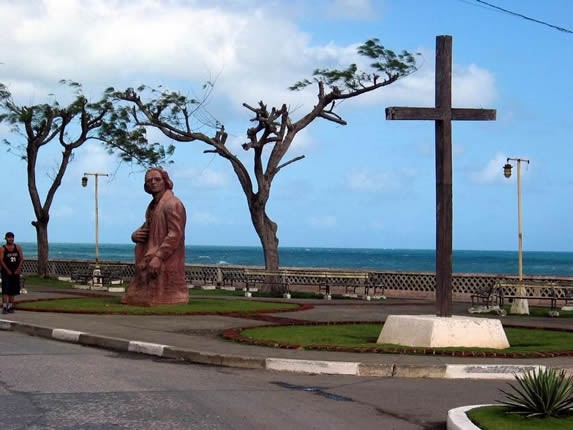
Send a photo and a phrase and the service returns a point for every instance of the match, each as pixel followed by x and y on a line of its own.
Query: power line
pixel 556 27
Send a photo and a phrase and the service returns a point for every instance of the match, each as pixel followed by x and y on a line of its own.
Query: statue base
pixel 146 295
pixel 441 332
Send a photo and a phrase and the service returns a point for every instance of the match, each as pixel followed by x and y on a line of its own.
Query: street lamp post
pixel 84 184
pixel 519 306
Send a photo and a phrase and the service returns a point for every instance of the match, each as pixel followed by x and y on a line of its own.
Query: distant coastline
pixel 408 260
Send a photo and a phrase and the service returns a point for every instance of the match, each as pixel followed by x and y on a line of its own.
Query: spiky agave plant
pixel 540 393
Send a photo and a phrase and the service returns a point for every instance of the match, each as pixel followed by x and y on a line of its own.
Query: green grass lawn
pixel 365 336
pixel 33 280
pixel 495 418
pixel 544 312
pixel 112 305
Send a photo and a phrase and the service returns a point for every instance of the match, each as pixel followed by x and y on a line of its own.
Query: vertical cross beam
pixel 442 114
pixel 443 155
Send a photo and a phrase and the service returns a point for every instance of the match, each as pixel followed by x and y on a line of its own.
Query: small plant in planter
pixel 541 393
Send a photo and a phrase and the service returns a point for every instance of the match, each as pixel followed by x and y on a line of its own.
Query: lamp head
pixel 507 170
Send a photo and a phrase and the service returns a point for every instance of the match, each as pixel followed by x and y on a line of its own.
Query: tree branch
pixel 288 162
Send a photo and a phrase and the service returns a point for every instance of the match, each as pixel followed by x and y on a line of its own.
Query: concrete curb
pixel 447 371
pixel 458 420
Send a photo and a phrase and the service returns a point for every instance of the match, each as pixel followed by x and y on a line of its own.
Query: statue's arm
pixel 176 219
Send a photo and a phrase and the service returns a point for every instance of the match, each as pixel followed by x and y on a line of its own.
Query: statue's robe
pixel 165 220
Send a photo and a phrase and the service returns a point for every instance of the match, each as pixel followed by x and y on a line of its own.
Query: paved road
pixel 46 384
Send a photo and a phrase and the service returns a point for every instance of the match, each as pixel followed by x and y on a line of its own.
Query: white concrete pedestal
pixel 519 307
pixel 441 332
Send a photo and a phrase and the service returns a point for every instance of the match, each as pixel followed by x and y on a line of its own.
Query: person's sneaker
pixel 4 310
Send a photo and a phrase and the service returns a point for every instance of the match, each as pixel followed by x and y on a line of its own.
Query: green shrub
pixel 541 393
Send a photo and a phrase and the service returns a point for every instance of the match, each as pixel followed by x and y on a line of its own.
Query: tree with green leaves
pixel 70 126
pixel 274 128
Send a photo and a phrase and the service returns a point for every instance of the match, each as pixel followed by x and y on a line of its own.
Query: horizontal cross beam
pixel 440 114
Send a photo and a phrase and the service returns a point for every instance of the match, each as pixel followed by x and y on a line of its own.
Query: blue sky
pixel 369 184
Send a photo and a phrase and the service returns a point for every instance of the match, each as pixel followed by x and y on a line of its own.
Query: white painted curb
pixel 312 366
pixel 146 348
pixel 488 371
pixel 394 370
pixel 458 420
pixel 66 335
pixel 5 325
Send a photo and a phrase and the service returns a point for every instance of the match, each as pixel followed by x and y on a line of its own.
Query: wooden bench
pixel 105 275
pixel 325 280
pixel 488 296
pixel 350 281
pixel 207 275
pixel 263 278
pixel 568 297
pixel 507 293
pixel 81 276
pixel 234 277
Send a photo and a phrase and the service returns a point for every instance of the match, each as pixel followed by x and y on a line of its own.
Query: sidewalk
pixel 194 338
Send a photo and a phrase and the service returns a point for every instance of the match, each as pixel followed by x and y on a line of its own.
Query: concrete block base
pixel 442 332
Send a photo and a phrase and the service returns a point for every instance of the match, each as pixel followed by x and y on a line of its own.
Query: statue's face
pixel 154 182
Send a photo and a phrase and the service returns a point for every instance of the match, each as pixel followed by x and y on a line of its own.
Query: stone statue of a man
pixel 159 247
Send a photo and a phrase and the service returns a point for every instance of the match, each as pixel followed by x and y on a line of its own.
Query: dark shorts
pixel 10 284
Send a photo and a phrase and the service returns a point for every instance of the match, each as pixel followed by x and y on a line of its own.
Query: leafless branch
pixel 288 162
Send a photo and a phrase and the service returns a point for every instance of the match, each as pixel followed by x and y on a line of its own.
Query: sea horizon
pixel 559 263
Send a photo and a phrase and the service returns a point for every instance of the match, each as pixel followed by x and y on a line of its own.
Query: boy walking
pixel 11 259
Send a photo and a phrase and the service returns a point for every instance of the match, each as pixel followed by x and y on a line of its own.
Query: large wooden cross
pixel 443 114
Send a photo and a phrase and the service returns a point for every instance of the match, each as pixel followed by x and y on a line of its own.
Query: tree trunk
pixel 267 231
pixel 43 247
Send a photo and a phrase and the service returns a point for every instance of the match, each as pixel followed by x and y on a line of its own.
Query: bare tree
pixel 70 126
pixel 172 114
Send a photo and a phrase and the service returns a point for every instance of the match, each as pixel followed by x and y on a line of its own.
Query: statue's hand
pixel 154 267
pixel 140 235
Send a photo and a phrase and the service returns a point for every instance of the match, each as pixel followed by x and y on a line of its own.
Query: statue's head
pixel 152 173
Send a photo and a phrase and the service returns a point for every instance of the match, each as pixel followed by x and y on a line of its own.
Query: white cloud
pixel 325 221
pixel 204 178
pixel 473 86
pixel 348 9
pixel 492 172
pixel 121 43
pixel 372 182
pixel 92 157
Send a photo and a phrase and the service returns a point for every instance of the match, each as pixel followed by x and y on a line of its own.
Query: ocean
pixel 407 260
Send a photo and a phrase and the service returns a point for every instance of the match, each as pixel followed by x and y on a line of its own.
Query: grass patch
pixel 112 305
pixel 495 418
pixel 34 280
pixel 365 335
pixel 544 312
